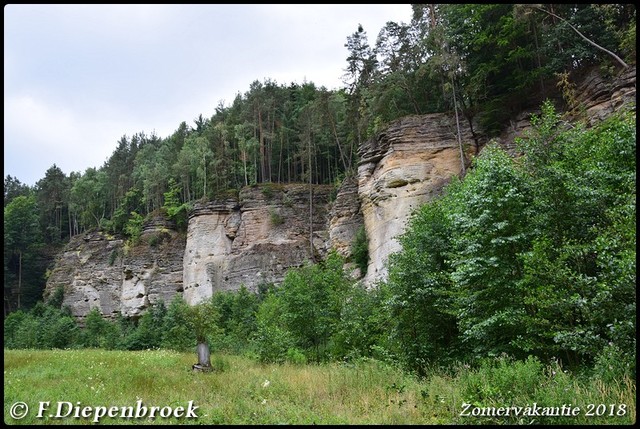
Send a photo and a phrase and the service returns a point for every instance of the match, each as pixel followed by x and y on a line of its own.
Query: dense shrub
pixel 533 255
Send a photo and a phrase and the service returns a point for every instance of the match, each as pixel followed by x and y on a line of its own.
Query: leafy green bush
pixel 237 311
pixel 175 209
pixel 360 250
pixel 534 255
pixel 612 365
pixel 12 325
pixel 178 334
pixel 148 333
pixel 499 380
pixel 296 357
pixel 43 327
pixel 275 217
pixel 268 190
pixel 96 329
pixel 133 227
pixel 272 339
pixel 361 327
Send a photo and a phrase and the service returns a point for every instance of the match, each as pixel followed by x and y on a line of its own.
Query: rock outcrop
pixel 99 270
pixel 253 240
pixel 400 169
pixel 600 96
pixel 596 97
pixel 345 218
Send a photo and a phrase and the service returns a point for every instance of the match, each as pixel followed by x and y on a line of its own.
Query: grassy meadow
pixel 243 391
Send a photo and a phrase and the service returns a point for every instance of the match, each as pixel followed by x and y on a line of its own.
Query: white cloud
pixel 38 134
pixel 77 78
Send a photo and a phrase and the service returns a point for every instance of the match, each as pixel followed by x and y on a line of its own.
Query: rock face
pixel 253 240
pixel 98 270
pixel 599 96
pixel 400 169
pixel 345 218
pixel 90 270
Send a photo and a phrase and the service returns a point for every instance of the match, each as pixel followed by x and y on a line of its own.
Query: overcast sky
pixel 79 77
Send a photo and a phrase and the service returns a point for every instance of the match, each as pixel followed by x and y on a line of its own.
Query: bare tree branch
pixel 625 65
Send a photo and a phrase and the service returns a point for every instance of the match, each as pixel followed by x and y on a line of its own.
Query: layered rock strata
pixel 254 239
pixel 400 169
pixel 99 270
pixel 600 96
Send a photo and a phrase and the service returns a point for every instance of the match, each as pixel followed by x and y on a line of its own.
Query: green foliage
pixel 500 379
pixel 272 339
pixel 237 319
pixel 528 256
pixel 52 196
pixel 113 256
pixel 13 338
pixel 362 328
pixel 613 365
pixel 44 326
pixel 360 250
pixel 296 357
pixel 312 298
pixel 422 293
pixel 149 332
pixel 130 202
pixel 87 200
pixel 203 319
pixel 490 228
pixel 96 329
pixel 275 217
pixel 22 242
pixel 176 210
pixel 220 363
pixel 56 298
pixel 155 240
pixel 327 393
pixel 14 188
pixel 177 331
pixel 303 313
pixel 133 227
pixel 268 190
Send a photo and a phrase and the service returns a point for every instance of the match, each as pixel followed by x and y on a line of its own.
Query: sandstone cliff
pixel 400 169
pixel 253 239
pixel 98 270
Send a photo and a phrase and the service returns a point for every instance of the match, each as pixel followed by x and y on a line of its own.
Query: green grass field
pixel 244 391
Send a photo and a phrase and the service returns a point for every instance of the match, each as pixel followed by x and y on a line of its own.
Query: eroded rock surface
pixel 98 270
pixel 253 240
pixel 400 169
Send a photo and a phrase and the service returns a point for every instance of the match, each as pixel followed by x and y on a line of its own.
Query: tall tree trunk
pixel 280 157
pixel 455 107
pixel 263 152
pixel 204 164
pixel 310 171
pixel 19 277
pixel 432 13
